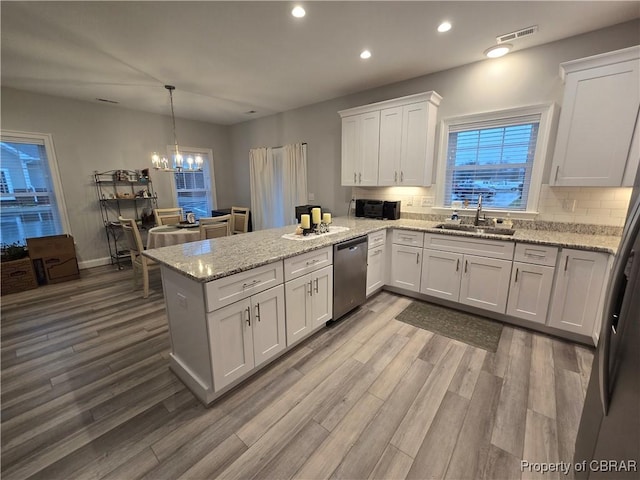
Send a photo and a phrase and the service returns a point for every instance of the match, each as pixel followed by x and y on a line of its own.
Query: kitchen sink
pixel 474 229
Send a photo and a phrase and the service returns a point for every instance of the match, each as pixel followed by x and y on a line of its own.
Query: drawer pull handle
pixel 317 287
pixel 417 258
pixel 248 320
pixel 557 171
pixel 401 176
pixel 310 288
pixel 258 311
pixel 249 285
pixel 376 252
pixel 311 262
pixel 457 264
pixel 466 266
pixel 516 281
pixel 566 263
pixel 355 179
pixel 395 177
pixel 360 177
pixel 537 255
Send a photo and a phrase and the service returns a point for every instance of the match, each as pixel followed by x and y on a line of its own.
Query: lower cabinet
pixel 309 303
pixel 530 291
pixel 579 286
pixel 375 264
pixel 405 267
pixel 245 334
pixel 477 281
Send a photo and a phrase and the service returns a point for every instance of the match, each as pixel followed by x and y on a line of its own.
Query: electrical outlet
pixel 569 205
pixel 409 201
pixel 427 202
pixel 312 196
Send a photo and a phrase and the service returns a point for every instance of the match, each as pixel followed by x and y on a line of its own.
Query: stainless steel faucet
pixel 478 211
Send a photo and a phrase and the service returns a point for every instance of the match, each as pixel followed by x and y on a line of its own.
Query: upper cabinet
pixel 390 142
pixel 598 128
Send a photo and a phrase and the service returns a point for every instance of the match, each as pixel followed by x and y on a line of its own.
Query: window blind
pixel 493 159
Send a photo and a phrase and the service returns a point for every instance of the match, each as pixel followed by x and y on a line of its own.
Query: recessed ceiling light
pixel 498 50
pixel 444 27
pixel 365 54
pixel 298 12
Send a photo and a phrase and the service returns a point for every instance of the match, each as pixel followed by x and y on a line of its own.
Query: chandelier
pixel 178 163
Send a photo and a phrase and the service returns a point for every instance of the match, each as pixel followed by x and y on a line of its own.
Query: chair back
pixel 239 220
pixel 132 235
pixel 168 216
pixel 214 230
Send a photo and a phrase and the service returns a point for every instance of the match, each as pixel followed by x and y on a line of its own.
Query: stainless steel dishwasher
pixel 349 275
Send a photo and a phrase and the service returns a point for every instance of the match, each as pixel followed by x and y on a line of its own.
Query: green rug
pixel 465 327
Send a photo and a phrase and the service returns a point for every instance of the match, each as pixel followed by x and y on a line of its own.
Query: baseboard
pixel 96 262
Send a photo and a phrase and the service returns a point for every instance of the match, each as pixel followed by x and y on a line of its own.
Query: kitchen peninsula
pixel 231 301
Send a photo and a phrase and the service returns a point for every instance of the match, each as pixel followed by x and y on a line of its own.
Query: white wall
pixel 521 78
pixel 89 136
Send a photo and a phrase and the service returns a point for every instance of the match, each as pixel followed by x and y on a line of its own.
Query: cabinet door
pixel 485 283
pixel 530 291
pixel 298 308
pixel 580 278
pixel 350 150
pixel 406 267
pixel 597 120
pixel 441 274
pixel 369 149
pixel 413 161
pixel 231 342
pixel 321 296
pixel 390 146
pixel 268 324
pixel 375 269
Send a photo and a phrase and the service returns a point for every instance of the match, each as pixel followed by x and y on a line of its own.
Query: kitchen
pixel 463 89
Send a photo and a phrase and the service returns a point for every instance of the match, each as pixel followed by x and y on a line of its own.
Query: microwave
pixel 378 209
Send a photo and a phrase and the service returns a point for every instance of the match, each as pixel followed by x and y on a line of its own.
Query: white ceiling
pixel 226 58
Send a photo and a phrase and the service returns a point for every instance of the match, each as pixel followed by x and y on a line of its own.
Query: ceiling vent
pixel 525 32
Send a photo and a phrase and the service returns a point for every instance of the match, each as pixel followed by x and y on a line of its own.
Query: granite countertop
pixel 208 260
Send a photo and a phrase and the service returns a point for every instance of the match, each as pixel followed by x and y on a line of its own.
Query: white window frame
pixel 547 114
pixel 213 198
pixel 16 136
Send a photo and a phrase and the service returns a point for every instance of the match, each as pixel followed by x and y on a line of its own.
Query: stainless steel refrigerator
pixel 608 440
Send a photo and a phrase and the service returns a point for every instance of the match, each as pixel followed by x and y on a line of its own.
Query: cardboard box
pixel 54 258
pixel 17 276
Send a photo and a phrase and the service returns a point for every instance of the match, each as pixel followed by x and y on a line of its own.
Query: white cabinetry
pixel 360 144
pixel 402 148
pixel 579 285
pixel 480 280
pixel 406 253
pixel 376 261
pixel 246 334
pixel 308 293
pixel 597 121
pixel 531 282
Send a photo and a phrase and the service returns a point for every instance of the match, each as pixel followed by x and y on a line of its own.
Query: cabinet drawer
pixel 377 239
pixel 470 245
pixel 227 290
pixel 536 254
pixel 307 262
pixel 408 237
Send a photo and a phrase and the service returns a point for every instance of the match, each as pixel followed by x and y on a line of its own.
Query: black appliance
pixel 608 441
pixel 304 209
pixel 377 209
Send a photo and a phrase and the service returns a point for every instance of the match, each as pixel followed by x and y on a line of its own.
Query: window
pixel 498 155
pixel 31 205
pixel 195 189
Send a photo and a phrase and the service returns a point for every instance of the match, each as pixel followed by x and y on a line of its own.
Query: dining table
pixel 167 235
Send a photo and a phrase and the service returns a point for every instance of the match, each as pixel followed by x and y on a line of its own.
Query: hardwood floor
pixel 87 393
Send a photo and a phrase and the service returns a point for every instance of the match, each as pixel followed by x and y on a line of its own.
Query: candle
pixel 305 221
pixel 315 215
pixel 326 218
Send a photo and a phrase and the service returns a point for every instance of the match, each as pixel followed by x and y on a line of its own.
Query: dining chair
pixel 226 219
pixel 239 220
pixel 214 230
pixel 138 261
pixel 168 216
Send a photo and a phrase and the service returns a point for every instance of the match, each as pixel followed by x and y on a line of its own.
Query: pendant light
pixel 162 163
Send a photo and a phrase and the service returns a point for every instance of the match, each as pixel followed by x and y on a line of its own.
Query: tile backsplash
pixel 583 205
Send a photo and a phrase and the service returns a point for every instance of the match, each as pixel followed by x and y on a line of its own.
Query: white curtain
pixel 278 183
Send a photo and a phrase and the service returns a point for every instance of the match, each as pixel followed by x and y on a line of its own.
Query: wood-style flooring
pixel 87 394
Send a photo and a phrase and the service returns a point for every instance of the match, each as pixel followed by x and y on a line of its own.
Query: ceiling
pixel 228 58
